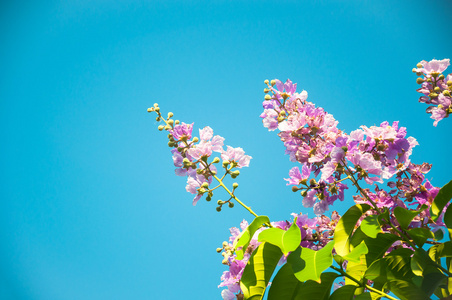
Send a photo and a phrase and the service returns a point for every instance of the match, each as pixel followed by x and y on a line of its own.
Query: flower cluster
pixel 435 87
pixel 315 234
pixel 191 156
pixel 311 137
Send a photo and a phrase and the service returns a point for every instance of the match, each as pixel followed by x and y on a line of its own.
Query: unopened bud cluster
pixel 191 156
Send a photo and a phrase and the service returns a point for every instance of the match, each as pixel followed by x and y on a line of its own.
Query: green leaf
pixel 355 270
pixel 406 290
pixel 371 226
pixel 419 261
pixel 287 241
pixel 432 281
pixel 357 237
pixel 357 252
pixel 318 291
pixel 440 250
pixel 439 235
pixel 259 270
pixel 421 235
pixel 346 292
pixel 308 264
pixel 378 246
pixel 443 197
pixel 242 241
pixel 395 266
pixel 405 216
pixel 285 286
pixel 345 227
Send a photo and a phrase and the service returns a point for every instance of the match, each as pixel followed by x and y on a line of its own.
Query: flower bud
pixel 437 89
pixel 216 160
pixel 195 139
pixel 419 65
pixel 295 189
pixel 433 95
pixel 413 70
pixel 429 80
pixel 218 208
pixel 156 104
pixel 266 81
pixel 267 97
pixel 167 127
pixel 446 93
pixel 449 82
pixel 201 191
pixel 219 250
pixel 157 109
pixel 219 202
pixel 177 122
pixel 226 163
pixel 273 82
pixel 313 182
pixel 185 161
pixel 225 244
pixel 170 114
pixel 235 185
pixel 344 148
pixel 419 80
pixel 235 173
pixel 441 77
pixel 160 127
pixel 208 198
pixel 231 205
pixel 304 193
pixel 205 185
pixel 266 90
pixel 418 73
pixel 170 144
pixel 150 109
pixel 434 74
pixel 224 261
pixel 321 196
pixel 199 171
pixel 157 119
pixel 171 122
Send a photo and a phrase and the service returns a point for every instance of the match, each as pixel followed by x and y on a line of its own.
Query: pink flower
pixel 236 155
pixel 434 65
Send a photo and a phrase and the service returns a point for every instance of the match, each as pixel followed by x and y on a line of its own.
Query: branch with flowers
pixel 389 245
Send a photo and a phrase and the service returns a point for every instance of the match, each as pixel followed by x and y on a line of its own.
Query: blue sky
pixel 91 208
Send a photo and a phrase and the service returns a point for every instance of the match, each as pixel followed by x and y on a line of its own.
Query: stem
pixel 362 284
pixel 364 194
pixel 233 196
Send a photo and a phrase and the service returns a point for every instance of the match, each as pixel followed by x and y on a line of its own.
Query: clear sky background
pixel 90 207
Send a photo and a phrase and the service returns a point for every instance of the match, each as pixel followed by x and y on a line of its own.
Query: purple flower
pixel 194 183
pixel 182 131
pixel 269 117
pixel 295 177
pixel 227 295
